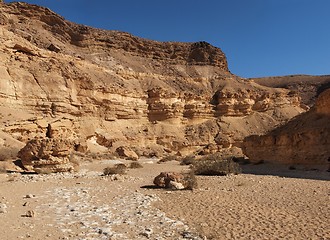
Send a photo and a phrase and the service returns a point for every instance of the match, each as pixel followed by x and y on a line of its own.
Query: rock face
pixel 75 82
pixel 307 87
pixel 305 140
pixel 47 155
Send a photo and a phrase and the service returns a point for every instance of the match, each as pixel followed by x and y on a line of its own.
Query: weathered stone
pixel 47 155
pixel 223 140
pixel 176 185
pixel 171 180
pixel 127 153
pixel 24 49
pixel 30 196
pixel 54 48
pixel 3 208
pixel 30 214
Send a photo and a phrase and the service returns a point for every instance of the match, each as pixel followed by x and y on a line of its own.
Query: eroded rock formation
pixel 305 140
pixel 47 155
pixel 76 82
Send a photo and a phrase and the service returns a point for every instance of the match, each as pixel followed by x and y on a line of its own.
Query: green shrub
pixel 117 169
pixel 215 165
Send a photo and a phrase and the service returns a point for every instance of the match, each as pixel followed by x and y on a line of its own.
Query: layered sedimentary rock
pixel 305 140
pixel 306 86
pixel 75 82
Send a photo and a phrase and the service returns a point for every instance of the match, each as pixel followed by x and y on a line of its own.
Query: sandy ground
pixel 262 203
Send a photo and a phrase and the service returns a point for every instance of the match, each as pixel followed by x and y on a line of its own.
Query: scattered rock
pixel 3 208
pixel 24 49
pixel 147 233
pixel 54 48
pixel 30 196
pixel 29 214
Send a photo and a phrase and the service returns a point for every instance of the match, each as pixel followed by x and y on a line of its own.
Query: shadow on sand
pixel 285 171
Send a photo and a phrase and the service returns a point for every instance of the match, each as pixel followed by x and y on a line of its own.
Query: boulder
pixel 170 180
pixel 47 155
pixel 127 153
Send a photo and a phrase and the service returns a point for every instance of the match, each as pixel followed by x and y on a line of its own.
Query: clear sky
pixel 259 37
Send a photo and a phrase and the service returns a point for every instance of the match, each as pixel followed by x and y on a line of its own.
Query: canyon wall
pixel 305 140
pixel 112 89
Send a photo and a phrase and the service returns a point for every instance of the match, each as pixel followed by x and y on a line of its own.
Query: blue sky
pixel 259 37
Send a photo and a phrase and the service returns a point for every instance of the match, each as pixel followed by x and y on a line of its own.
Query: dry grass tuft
pixel 74 159
pixel 168 159
pixel 3 167
pixel 215 165
pixel 188 160
pixel 135 165
pixel 117 169
pixel 190 180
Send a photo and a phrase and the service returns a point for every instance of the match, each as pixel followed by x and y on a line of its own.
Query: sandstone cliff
pixel 306 86
pixel 305 140
pixel 113 89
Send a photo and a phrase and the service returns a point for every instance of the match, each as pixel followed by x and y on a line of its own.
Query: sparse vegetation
pixel 135 165
pixel 89 156
pixel 168 159
pixel 259 162
pixel 190 180
pixel 74 160
pixel 292 167
pixel 188 160
pixel 116 169
pixel 3 167
pixel 215 165
pixel 43 170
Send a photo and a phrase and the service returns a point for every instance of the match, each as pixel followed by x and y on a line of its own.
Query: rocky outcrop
pixel 64 80
pixel 303 141
pixel 47 155
pixel 127 153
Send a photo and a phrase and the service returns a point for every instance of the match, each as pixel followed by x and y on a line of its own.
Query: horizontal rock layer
pixel 303 141
pixel 114 89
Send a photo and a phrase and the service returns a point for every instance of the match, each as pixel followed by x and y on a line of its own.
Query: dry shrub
pixel 116 169
pixel 135 165
pixel 168 159
pixel 100 156
pixel 75 161
pixel 215 165
pixel 190 180
pixel 3 167
pixel 43 171
pixel 188 160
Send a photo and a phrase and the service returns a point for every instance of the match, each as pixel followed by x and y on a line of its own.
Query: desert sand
pixel 264 202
